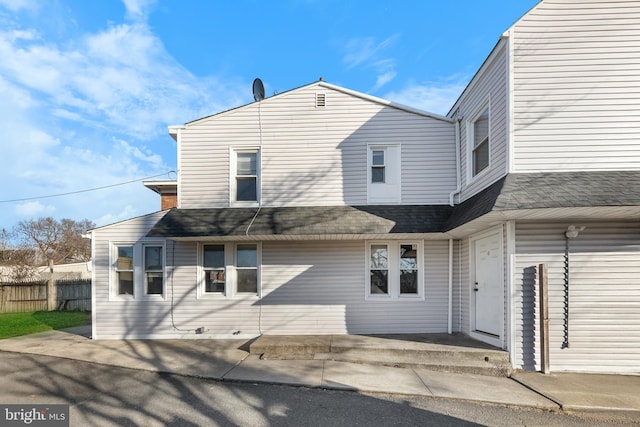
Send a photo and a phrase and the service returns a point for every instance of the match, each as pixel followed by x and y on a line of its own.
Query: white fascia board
pixel 385 102
pixel 174 130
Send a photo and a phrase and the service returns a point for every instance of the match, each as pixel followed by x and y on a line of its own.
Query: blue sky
pixel 89 87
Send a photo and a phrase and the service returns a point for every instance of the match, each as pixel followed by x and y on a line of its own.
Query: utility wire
pixel 26 199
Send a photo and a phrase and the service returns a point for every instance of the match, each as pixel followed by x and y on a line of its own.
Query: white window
pixel 480 139
pixel 154 270
pixel 377 166
pixel 214 268
pixel 247 268
pixel 383 174
pixel 394 270
pixel 245 177
pixel 229 270
pixel 138 270
pixel 124 270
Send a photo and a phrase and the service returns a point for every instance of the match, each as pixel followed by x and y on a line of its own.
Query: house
pixel 326 211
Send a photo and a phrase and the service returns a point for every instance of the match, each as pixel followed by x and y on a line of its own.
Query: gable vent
pixel 320 100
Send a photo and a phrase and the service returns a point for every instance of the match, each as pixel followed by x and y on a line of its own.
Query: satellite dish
pixel 258 90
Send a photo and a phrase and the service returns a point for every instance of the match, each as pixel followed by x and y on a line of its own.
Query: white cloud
pixel 366 53
pixel 34 208
pixel 79 114
pixel 138 9
pixel 434 97
pixel 16 5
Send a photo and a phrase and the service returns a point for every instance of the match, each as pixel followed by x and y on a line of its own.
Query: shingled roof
pixel 520 191
pixel 300 221
pixel 547 190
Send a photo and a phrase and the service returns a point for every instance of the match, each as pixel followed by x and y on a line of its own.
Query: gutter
pixel 455 192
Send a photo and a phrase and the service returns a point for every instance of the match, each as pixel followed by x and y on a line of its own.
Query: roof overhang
pixel 162 186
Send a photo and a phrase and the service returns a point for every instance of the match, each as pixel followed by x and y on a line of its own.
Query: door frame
pixel 489 339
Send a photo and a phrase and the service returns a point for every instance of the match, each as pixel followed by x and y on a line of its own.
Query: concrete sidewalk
pixel 229 360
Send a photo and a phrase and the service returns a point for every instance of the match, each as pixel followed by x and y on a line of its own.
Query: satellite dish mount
pixel 258 90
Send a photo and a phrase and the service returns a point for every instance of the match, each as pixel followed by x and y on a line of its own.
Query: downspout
pixel 450 311
pixel 452 195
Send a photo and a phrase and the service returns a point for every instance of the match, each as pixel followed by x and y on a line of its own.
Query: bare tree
pixel 55 242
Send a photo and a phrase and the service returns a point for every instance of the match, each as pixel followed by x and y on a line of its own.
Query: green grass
pixel 16 324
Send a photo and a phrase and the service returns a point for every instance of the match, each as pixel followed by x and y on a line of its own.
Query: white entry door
pixel 488 289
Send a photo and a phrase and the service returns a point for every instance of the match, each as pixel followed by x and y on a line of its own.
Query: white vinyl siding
pixel 604 296
pixel 487 89
pixel 306 288
pixel 576 83
pixel 315 156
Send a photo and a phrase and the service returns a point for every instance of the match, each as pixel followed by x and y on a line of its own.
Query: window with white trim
pixel 138 270
pixel 245 179
pixel 214 268
pixel 377 166
pixel 394 270
pixel 124 270
pixel 154 269
pixel 247 268
pixel 480 146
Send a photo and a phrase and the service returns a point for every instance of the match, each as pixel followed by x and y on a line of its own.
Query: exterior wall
pixel 307 288
pixel 315 156
pixel 489 87
pixel 576 84
pixel 604 296
pixel 124 318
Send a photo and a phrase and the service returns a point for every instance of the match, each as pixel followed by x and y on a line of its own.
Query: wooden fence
pixel 32 296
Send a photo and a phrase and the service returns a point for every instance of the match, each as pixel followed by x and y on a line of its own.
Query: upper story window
pixel 247 176
pixel 480 149
pixel 377 166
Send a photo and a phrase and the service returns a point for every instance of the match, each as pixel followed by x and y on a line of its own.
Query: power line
pixel 26 199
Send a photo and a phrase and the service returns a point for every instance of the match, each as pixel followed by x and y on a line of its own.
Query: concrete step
pixel 439 352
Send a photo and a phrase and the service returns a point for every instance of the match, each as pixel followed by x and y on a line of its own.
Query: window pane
pixel 214 280
pixel 214 255
pixel 379 257
pixel 154 283
pixel 247 256
pixel 246 164
pixel 481 157
pixel 377 174
pixel 379 282
pixel 378 158
pixel 408 257
pixel 152 258
pixel 481 128
pixel 408 281
pixel 125 282
pixel 125 258
pixel 248 280
pixel 246 190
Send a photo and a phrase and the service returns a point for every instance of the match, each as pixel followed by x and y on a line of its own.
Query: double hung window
pixel 214 269
pixel 124 270
pixel 246 177
pixel 154 270
pixel 480 150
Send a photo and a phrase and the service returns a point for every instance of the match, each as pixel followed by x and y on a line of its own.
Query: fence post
pixel 51 289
